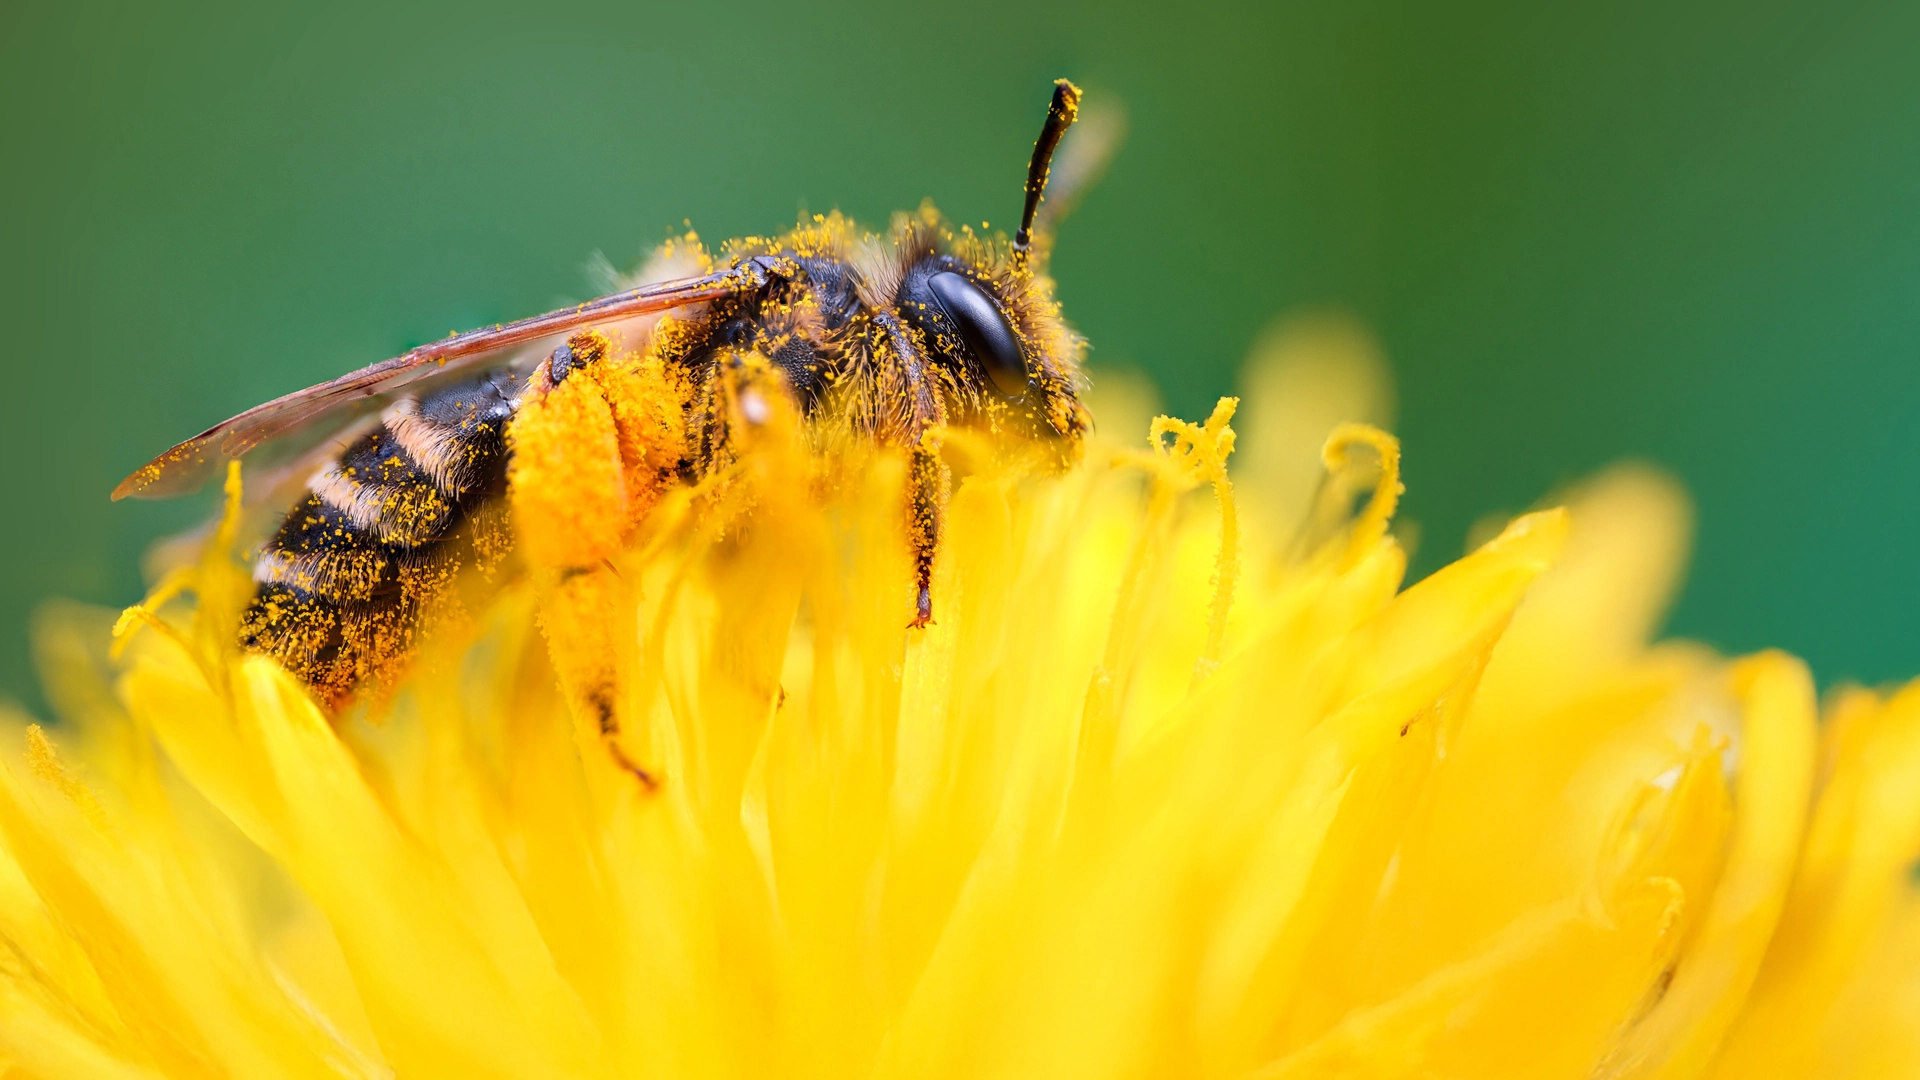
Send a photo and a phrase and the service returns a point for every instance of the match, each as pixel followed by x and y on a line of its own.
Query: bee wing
pixel 330 405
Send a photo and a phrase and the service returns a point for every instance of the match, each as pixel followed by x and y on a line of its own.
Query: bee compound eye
pixel 984 329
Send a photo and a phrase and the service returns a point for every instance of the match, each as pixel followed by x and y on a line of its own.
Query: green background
pixel 1684 232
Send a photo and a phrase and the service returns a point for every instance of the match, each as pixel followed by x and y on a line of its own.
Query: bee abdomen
pixel 321 549
pixel 344 584
pixel 380 490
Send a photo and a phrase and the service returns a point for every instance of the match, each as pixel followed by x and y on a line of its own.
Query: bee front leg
pixel 920 414
pixel 928 481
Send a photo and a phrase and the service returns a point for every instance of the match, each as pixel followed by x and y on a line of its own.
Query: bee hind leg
pixel 574 498
pixel 602 706
pixel 582 618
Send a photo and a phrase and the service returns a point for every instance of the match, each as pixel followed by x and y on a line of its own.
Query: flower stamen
pixel 1202 451
pixel 44 761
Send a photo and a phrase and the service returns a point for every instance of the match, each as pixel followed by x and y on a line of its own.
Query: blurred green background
pixel 1679 231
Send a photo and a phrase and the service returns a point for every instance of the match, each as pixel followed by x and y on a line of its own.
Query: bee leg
pixel 605 711
pixel 927 484
pixel 581 616
pixel 573 503
pixel 928 479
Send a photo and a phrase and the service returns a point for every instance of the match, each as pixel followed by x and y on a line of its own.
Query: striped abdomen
pixel 377 542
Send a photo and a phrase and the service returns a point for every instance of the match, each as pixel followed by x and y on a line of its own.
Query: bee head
pixel 966 324
pixel 995 333
pixel 988 318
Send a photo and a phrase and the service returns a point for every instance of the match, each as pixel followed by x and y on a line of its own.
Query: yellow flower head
pixel 1179 784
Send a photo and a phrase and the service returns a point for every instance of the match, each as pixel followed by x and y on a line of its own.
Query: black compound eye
pixel 983 327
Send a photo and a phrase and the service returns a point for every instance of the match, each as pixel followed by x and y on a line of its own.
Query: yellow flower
pixel 1168 790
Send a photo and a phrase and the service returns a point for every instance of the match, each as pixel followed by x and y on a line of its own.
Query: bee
pixel 887 341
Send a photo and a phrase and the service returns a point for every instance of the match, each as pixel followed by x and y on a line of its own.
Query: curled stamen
pixel 1371 525
pixel 1197 453
pixel 1202 450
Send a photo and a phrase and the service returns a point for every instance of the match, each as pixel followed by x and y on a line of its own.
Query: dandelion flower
pixel 1178 785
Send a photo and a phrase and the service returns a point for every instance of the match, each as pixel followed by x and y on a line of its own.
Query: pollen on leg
pixel 586 639
pixel 648 400
pixel 928 489
pixel 567 483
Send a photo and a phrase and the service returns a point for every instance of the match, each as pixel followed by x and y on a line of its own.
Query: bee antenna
pixel 1061 114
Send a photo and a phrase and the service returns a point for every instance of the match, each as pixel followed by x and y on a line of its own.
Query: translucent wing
pixel 184 468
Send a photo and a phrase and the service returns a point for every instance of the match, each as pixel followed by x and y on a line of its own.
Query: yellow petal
pixel 1166 790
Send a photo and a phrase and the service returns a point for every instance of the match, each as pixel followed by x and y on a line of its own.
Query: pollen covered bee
pixel 498 440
